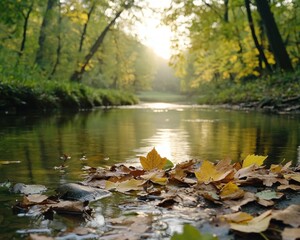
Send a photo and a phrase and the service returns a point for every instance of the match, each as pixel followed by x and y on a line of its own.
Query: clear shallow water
pixel 31 146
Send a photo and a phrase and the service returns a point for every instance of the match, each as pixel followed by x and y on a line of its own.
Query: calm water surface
pixel 30 146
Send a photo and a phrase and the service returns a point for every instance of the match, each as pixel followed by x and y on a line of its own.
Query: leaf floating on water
pixel 153 161
pixel 254 159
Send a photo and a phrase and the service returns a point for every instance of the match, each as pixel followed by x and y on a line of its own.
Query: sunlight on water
pixel 169 143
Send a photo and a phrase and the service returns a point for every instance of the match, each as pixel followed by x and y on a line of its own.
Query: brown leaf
pixel 39 237
pixel 245 172
pixel 290 234
pixel 290 215
pixel 125 186
pixel 34 199
pixel 255 225
pixel 70 207
pixel 237 204
pixel 289 186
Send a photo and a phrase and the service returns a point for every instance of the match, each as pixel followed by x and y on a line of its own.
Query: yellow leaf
pixel 231 191
pixel 293 176
pixel 125 186
pixel 238 217
pixel 208 173
pixel 156 177
pixel 153 161
pixel 256 225
pixel 253 159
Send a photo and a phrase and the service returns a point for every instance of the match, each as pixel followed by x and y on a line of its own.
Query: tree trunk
pixel 58 49
pixel 282 58
pixel 39 60
pixel 77 75
pixel 257 45
pixel 26 19
pixel 226 2
pixel 85 27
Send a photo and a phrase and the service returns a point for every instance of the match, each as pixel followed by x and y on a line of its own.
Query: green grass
pixel 49 95
pixel 276 87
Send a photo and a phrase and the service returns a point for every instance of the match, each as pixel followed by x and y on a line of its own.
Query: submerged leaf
pixel 153 161
pixel 254 159
pixel 192 233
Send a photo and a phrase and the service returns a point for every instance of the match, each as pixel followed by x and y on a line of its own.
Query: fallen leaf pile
pixel 197 191
pixel 224 184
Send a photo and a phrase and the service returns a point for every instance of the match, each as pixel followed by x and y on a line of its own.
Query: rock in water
pixel 78 192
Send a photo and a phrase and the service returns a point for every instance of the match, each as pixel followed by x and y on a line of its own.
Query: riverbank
pixel 19 96
pixel 277 94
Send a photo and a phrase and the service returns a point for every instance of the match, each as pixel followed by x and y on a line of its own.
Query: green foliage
pixel 49 95
pixel 54 35
pixel 191 233
pixel 222 48
pixel 269 87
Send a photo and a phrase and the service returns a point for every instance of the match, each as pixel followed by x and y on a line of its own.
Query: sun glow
pixel 152 33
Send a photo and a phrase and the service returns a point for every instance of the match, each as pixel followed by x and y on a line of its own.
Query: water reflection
pixel 105 137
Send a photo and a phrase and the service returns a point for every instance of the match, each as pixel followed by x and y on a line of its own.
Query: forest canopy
pixel 91 42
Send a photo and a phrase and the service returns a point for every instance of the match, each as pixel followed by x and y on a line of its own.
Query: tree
pixel 257 45
pixel 282 58
pixel 25 25
pixel 41 52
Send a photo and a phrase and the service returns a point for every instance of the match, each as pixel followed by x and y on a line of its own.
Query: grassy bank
pixel 274 88
pixel 49 95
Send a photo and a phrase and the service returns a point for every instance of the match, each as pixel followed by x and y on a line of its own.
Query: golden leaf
pixel 254 159
pixel 231 191
pixel 256 225
pixel 238 217
pixel 153 161
pixel 209 173
pixel 125 186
